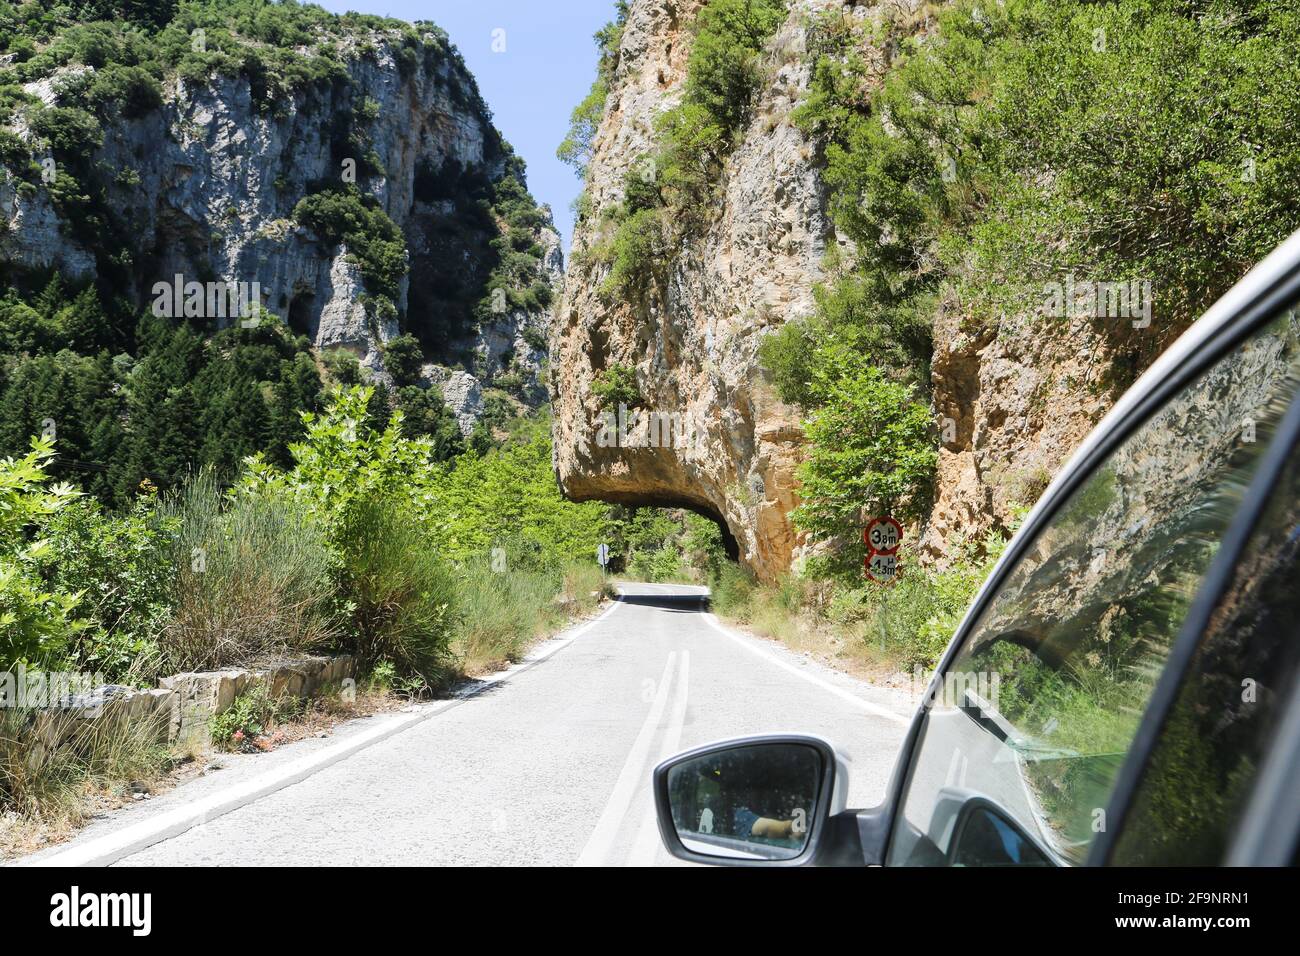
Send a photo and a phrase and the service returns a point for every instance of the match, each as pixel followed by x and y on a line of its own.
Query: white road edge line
pixel 646 846
pixel 596 851
pixel 108 849
pixel 811 678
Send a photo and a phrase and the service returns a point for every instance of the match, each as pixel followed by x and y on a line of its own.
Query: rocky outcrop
pixel 1010 404
pixel 206 186
pixel 693 344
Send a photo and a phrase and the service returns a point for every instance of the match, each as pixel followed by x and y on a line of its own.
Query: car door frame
pixel 1271 286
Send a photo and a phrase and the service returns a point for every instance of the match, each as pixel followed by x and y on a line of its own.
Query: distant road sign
pixel 883 535
pixel 602 555
pixel 882 568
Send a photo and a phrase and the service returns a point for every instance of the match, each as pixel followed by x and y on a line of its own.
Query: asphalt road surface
pixel 551 765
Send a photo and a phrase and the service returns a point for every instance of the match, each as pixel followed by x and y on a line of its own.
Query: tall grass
pixel 501 613
pixel 400 592
pixel 45 776
pixel 252 578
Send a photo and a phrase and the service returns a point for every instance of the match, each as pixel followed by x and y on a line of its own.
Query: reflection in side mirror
pixel 753 800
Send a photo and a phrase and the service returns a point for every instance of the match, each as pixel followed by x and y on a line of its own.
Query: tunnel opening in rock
pixel 731 548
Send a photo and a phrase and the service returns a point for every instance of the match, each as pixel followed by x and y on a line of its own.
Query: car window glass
pixel 1040 705
pixel 1221 724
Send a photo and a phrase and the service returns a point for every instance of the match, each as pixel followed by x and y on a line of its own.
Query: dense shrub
pixel 403 358
pixel 252 578
pixel 722 70
pixel 871 451
pixel 637 255
pixel 980 159
pixel 507 497
pixel 732 590
pixel 615 386
pixel 36 621
pixel 722 75
pixel 121 566
pixel 344 215
pixel 133 90
pixel 398 587
pixel 69 130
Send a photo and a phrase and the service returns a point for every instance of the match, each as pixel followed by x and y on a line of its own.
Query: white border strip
pixel 600 843
pixel 108 849
pixel 647 842
pixel 840 692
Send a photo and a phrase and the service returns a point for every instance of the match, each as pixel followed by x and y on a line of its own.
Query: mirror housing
pixel 830 831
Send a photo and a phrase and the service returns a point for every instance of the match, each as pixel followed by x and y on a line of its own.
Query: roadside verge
pixel 118 844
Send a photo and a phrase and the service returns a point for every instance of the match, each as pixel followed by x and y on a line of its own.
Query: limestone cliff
pixel 694 344
pixel 205 186
pixel 1009 407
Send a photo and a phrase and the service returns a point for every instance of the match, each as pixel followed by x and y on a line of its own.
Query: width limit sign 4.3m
pixel 882 536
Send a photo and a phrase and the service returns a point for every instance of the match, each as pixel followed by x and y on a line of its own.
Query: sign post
pixel 602 557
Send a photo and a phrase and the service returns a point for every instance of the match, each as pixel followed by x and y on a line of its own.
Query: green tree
pixel 871 450
pixel 403 358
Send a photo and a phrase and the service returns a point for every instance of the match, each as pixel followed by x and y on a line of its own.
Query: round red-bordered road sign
pixel 881 568
pixel 882 535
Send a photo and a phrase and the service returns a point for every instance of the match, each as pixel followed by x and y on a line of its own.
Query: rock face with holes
pixel 205 186
pixel 709 432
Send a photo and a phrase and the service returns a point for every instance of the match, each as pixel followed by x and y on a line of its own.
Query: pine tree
pixel 85 327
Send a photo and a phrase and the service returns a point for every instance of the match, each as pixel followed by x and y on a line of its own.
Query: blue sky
pixel 546 69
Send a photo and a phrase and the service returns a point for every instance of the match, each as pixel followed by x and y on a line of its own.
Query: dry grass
pixel 787 613
pixel 61 796
pixel 51 782
pixel 505 614
pixel 252 579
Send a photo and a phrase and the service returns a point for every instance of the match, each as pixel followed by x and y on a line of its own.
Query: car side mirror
pixel 751 801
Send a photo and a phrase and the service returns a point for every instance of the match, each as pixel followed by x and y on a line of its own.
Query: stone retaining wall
pixel 183 705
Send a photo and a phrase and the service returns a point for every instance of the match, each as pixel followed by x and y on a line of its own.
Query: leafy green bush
pixel 342 214
pixel 638 253
pixel 722 75
pixel 662 564
pixel 702 546
pixel 252 715
pixel 121 566
pixel 403 358
pixel 508 494
pixel 615 386
pixel 36 621
pixel 399 590
pixel 133 90
pixel 871 450
pixel 975 164
pixel 722 70
pixel 69 130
